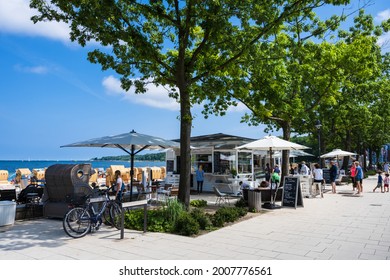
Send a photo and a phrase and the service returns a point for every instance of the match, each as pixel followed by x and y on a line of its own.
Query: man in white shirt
pixel 304 169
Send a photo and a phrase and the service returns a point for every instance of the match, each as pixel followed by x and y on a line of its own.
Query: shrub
pixel 198 203
pixel 173 209
pixel 175 219
pixel 186 225
pixel 156 222
pixel 241 203
pixel 201 217
pixel 218 220
pixel 227 214
pixel 134 219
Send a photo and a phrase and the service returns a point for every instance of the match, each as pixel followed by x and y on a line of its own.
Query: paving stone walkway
pixel 339 226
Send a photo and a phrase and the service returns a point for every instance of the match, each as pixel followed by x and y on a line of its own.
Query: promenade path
pixel 337 227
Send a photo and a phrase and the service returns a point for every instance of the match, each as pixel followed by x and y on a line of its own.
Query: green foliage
pixel 135 219
pixel 202 218
pixel 160 220
pixel 186 225
pixel 198 203
pixel 173 209
pixel 227 215
pixel 173 218
pixel 156 222
pixel 241 203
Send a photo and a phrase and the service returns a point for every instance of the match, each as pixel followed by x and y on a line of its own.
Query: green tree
pixel 178 44
pixel 293 81
pixel 286 79
pixel 356 120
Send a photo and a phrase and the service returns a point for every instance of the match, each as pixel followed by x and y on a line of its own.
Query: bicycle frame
pixel 95 217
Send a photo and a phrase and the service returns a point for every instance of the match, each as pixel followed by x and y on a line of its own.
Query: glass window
pixel 224 162
pixel 244 162
pixel 204 160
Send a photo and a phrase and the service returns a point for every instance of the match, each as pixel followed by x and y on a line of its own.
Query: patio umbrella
pixel 337 153
pixel 271 143
pixel 294 154
pixel 132 143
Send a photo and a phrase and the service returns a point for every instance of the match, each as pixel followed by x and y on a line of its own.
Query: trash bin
pixel 254 200
pixel 245 194
pixel 7 212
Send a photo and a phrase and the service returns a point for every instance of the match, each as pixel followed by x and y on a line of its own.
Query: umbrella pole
pixel 131 171
pixel 272 204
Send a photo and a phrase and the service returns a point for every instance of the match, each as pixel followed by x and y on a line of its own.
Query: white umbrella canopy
pixel 272 143
pixel 293 154
pixel 337 153
pixel 132 143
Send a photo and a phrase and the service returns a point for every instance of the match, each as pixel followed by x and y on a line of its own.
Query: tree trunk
pixel 185 149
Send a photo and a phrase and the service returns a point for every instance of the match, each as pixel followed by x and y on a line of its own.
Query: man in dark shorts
pixel 333 175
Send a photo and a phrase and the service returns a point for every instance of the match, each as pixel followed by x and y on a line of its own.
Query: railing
pixel 133 204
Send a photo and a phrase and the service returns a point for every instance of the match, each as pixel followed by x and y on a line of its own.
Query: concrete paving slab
pixel 337 227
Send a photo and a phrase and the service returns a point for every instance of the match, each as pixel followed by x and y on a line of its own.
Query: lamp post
pixel 318 126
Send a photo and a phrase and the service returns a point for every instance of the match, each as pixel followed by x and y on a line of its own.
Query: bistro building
pixel 221 161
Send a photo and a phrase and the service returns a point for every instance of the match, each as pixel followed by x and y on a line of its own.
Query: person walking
pixel 333 175
pixel 379 182
pixel 386 182
pixel 359 177
pixel 318 178
pixel 353 174
pixel 318 174
pixel 199 179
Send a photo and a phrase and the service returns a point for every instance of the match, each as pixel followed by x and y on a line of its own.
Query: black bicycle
pixel 78 221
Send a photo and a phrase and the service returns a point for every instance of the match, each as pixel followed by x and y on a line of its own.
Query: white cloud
pixel 383 15
pixel 384 40
pixel 112 86
pixel 34 69
pixel 15 18
pixel 156 96
pixel 239 108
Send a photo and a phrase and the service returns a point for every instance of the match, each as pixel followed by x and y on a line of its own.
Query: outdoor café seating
pixel 222 197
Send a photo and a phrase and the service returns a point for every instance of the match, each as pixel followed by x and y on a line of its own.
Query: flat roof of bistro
pixel 218 141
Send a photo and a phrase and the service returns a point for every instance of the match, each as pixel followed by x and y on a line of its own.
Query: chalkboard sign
pixel 326 175
pixel 292 193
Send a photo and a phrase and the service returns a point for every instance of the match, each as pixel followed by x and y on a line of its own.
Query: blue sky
pixel 50 95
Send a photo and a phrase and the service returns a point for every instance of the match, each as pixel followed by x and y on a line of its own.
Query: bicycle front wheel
pixel 115 215
pixel 77 222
